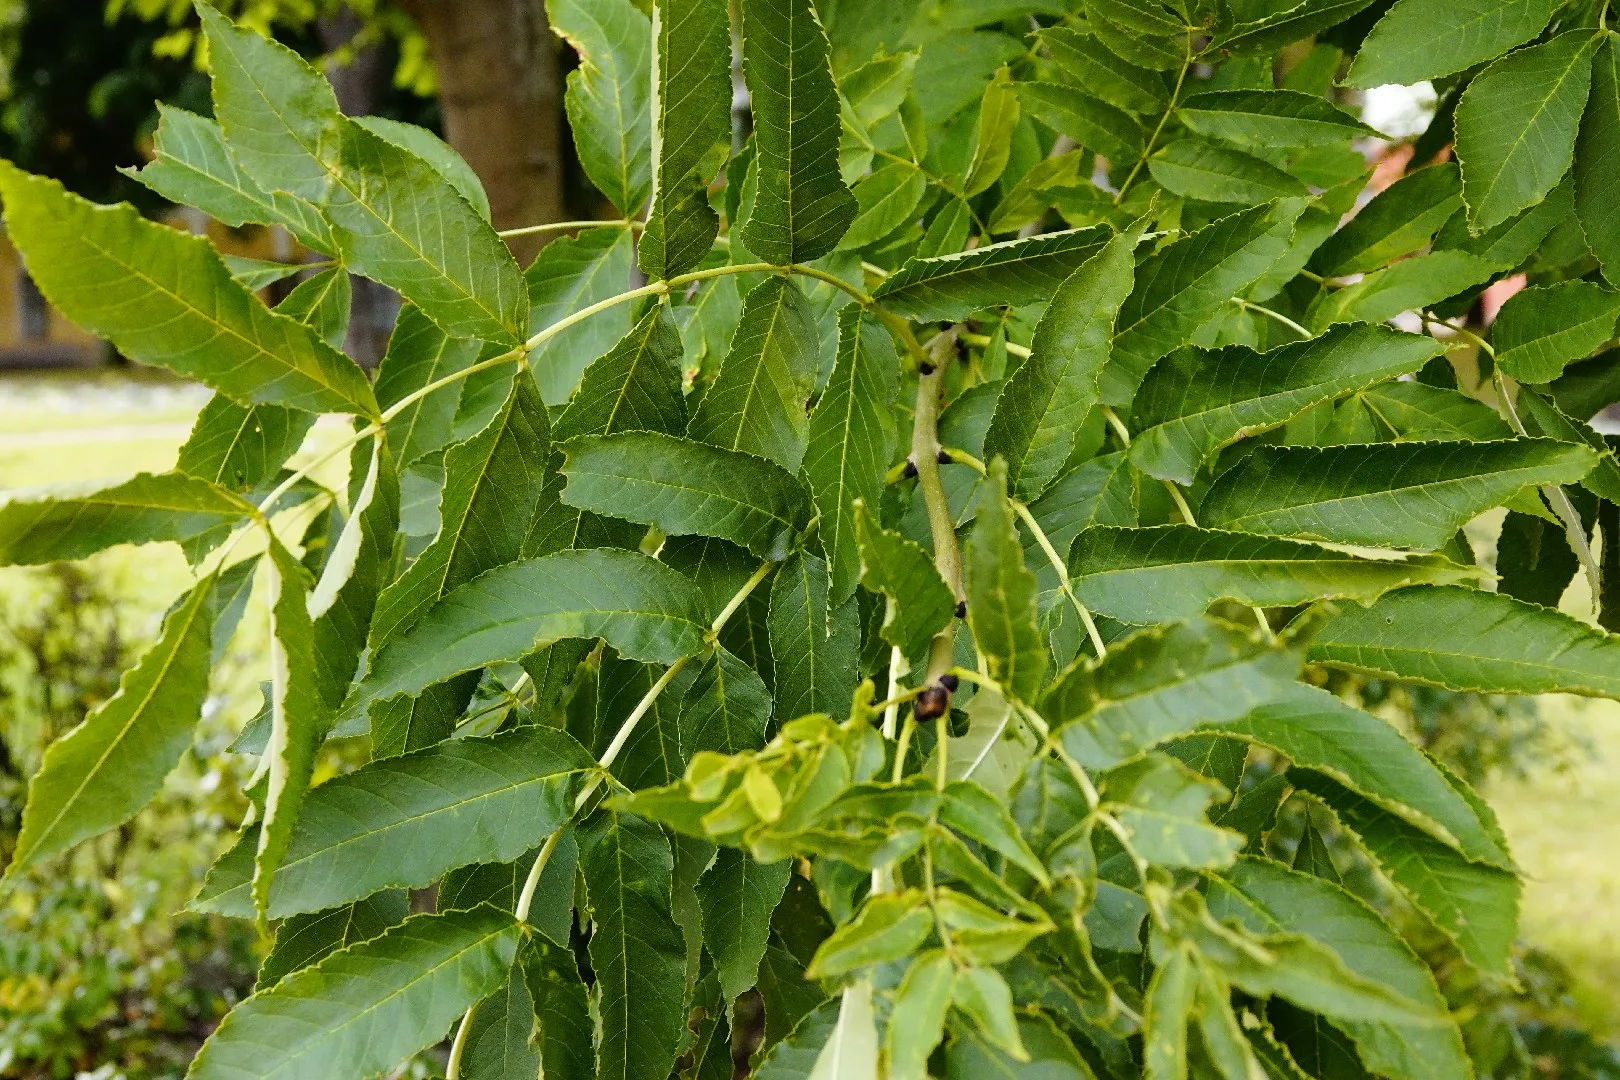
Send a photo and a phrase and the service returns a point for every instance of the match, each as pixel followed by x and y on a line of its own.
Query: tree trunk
pixel 501 97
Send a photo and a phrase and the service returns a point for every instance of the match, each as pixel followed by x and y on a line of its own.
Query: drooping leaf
pixel 949 287
pixel 1398 221
pixel 164 297
pixel 636 950
pixel 607 97
pixel 919 603
pixel 562 1023
pixel 364 1009
pixel 1516 125
pixel 1179 288
pixel 1464 639
pixel 917 1020
pixel 1196 401
pixel 813 653
pixel 635 386
pixel 1164 1024
pixel 756 403
pixel 803 207
pixel 1514 240
pixel 1000 593
pixel 1417 412
pixel 992 147
pixel 497 1043
pixel 104 770
pixel 1402 495
pixel 1176 571
pixel 686 488
pixel 1541 329
pixel 1267 118
pixel 50 524
pixel 1424 39
pixel 305 940
pixel 571 274
pixel 1596 150
pixel 737 896
pixel 1040 410
pixel 401 822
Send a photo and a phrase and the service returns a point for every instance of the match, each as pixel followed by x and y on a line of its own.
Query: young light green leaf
pixel 1040 410
pixel 851 1048
pixel 1199 169
pixel 607 97
pixel 402 822
pixel 635 386
pixel 1397 221
pixel 686 488
pixel 1179 288
pixel 164 297
pixel 1162 682
pixel 1409 285
pixel 1541 329
pixel 949 287
pixel 888 926
pixel 1464 639
pixel 1475 905
pixel 982 818
pixel 757 401
pixel 814 648
pixel 1161 805
pixel 1196 401
pixel 1424 39
pixel 638 605
pixel 1001 594
pixel 50 524
pixel 1176 571
pixel 917 1020
pixel 803 207
pixel 1516 126
pixel 919 603
pixel 992 147
pixel 571 274
pixel 885 200
pixel 1597 156
pixel 1269 118
pixel 100 773
pixel 1051 1055
pixel 636 951
pixel 304 940
pixel 1169 1008
pixel 364 1009
pixel 1398 495
pixel 737 896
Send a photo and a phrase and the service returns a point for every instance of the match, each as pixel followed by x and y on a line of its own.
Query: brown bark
pixel 500 93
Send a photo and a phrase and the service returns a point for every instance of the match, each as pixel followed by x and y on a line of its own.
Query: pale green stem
pixel 1164 118
pixel 1118 425
pixel 1270 314
pixel 458 1047
pixel 891 706
pixel 947 557
pixel 560 226
pixel 1063 576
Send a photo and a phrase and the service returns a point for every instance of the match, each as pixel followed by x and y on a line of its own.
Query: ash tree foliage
pixel 889 576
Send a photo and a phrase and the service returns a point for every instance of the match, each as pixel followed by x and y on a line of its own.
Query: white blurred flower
pixel 1400 112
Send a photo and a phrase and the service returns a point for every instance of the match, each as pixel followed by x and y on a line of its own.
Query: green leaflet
pixel 1102 491
pixel 1001 594
pixel 1089 121
pixel 1177 571
pixel 299 719
pixel 364 1009
pixel 1169 1003
pixel 164 297
pixel 737 896
pixel 1267 899
pixel 1200 169
pixel 493 482
pixel 851 441
pixel 321 302
pixel 1197 401
pixel 1161 804
pixel 419 353
pixel 571 274
pixel 918 602
pixel 1320 732
pixel 1416 412
pixel 258 274
pixel 953 286
pixel 498 1039
pixel 50 524
pixel 686 488
pixel 607 98
pixel 1540 330
pixel 1516 126
pixel 803 207
pixel 1164 681
pixel 1040 410
pixel 992 147
pixel 103 771
pixel 1051 1055
pixel 1399 495
pixel 562 1023
pixel 1597 156
pixel 1475 905
pixel 724 710
pixel 917 1020
pixel 401 822
pixel 691 111
pixel 1464 639
pixel 395 217
pixel 635 386
pixel 1603 481
pixel 1274 29
pixel 1398 221
pixel 639 606
pixel 884 201
pixel 1423 39
pixel 636 950
pixel 193 165
pixel 436 152
pixel 1514 240
pixel 1409 285
pixel 1179 288
pixel 814 649
pixel 1269 118
pixel 305 940
pixel 756 402
pixel 1087 63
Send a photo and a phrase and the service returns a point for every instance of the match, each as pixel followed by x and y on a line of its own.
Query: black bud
pixel 950 682
pixel 932 703
pixel 961 609
pixel 926 368
pixel 910 470
pixel 943 457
